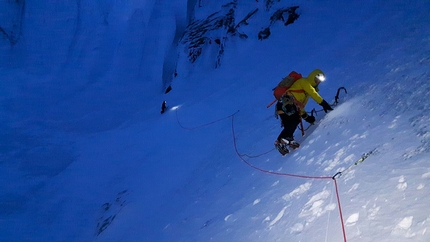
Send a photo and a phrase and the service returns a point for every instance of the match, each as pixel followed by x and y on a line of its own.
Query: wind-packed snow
pixel 85 154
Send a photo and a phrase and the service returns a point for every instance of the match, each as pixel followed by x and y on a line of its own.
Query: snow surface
pixel 85 154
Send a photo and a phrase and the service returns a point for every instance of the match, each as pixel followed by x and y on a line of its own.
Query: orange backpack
pixel 285 84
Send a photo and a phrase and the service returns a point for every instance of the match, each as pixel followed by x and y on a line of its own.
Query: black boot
pixel 291 143
pixel 282 148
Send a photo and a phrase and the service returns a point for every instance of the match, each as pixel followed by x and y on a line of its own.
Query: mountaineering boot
pixel 282 148
pixel 294 144
pixel 291 143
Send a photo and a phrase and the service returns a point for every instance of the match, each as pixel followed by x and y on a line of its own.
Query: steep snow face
pixel 86 154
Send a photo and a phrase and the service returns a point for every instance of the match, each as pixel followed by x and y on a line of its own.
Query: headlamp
pixel 320 77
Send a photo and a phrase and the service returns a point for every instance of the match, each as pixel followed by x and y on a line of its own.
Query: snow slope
pixel 87 156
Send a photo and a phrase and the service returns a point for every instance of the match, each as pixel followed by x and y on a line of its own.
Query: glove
pixel 326 106
pixel 309 119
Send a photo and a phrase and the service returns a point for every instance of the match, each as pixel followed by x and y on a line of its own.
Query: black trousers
pixel 290 123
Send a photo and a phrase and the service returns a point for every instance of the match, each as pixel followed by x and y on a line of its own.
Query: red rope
pixel 203 125
pixel 267 171
pixel 340 210
pixel 273 172
pixel 291 175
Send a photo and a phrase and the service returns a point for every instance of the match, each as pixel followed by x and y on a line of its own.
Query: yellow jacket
pixel 304 88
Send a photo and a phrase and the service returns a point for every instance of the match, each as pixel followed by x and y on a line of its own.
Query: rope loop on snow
pixel 202 125
pixel 293 175
pixel 241 156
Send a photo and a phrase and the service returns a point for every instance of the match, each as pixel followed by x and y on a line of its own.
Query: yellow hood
pixel 312 75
